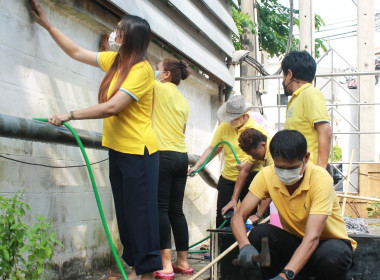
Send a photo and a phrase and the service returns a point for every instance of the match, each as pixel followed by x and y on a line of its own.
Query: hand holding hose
pixel 58 119
pixel 191 170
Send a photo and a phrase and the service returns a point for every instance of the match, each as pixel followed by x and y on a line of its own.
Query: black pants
pixel 134 180
pixel 171 189
pixel 330 261
pixel 225 190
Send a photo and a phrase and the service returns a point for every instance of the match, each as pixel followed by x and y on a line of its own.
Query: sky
pixel 340 17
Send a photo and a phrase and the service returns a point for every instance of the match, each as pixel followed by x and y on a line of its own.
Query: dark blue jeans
pixel 134 180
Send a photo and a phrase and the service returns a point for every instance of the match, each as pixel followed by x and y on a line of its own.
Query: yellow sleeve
pixel 322 194
pixel 139 80
pixel 105 60
pixel 315 107
pixel 259 186
pixel 217 136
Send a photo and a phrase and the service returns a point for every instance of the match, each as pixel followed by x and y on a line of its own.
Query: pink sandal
pixel 188 271
pixel 161 275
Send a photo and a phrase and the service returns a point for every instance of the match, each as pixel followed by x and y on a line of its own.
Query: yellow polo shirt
pixel 306 108
pixel 130 131
pixel 315 195
pixel 170 112
pixel 227 133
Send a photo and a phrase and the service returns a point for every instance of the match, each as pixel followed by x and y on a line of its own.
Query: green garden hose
pixel 120 266
pixel 213 150
pixel 199 169
pixel 89 169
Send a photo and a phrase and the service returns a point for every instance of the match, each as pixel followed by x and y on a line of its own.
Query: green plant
pixel 24 250
pixel 337 153
pixel 374 208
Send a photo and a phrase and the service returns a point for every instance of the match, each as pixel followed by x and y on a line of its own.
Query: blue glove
pixel 278 277
pixel 245 256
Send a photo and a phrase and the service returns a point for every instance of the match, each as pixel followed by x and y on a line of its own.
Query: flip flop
pixel 161 275
pixel 188 271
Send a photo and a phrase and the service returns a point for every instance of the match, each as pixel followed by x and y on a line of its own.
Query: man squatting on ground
pixel 313 241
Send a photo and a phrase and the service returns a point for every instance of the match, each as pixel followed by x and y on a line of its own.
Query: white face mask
pixel 111 41
pixel 289 176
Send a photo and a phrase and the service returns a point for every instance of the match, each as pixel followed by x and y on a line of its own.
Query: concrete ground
pixel 197 261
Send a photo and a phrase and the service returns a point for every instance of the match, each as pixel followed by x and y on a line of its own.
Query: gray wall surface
pixel 37 79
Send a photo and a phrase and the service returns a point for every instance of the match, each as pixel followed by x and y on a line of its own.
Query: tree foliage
pixel 273 27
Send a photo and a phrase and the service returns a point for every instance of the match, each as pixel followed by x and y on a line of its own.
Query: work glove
pixel 278 277
pixel 245 256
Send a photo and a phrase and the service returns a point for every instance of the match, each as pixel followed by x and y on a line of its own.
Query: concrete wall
pixel 37 79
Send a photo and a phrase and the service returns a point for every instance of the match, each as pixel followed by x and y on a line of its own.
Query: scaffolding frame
pixel 333 108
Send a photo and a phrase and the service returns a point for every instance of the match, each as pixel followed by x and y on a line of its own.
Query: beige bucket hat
pixel 233 108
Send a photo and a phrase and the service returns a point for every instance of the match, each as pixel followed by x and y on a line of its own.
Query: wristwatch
pixel 289 274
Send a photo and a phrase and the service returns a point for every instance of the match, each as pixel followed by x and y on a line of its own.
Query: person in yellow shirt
pixel 125 100
pixel 255 144
pixel 313 241
pixel 235 119
pixel 169 118
pixel 306 110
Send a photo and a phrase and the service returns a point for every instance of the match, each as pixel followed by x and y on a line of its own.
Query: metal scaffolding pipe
pixel 326 75
pixel 31 130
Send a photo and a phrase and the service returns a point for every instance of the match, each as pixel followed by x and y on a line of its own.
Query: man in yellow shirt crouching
pixel 313 241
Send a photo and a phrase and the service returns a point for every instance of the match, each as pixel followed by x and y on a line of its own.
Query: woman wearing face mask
pixel 125 99
pixel 169 117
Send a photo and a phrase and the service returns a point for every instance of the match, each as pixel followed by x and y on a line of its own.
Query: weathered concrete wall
pixel 37 79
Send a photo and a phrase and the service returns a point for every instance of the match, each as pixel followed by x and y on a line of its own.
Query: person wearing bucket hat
pixel 233 109
pixel 235 119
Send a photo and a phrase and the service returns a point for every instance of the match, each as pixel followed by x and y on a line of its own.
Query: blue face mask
pixel 156 73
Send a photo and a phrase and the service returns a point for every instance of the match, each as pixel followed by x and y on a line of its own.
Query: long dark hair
pixel 136 38
pixel 179 70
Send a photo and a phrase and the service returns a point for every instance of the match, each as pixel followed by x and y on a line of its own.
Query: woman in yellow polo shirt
pixel 169 118
pixel 125 99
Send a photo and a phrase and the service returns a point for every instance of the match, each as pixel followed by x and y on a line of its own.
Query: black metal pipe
pixel 31 130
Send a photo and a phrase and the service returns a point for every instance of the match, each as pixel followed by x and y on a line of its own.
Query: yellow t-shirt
pixel 306 108
pixel 315 195
pixel 268 160
pixel 130 131
pixel 227 133
pixel 170 112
